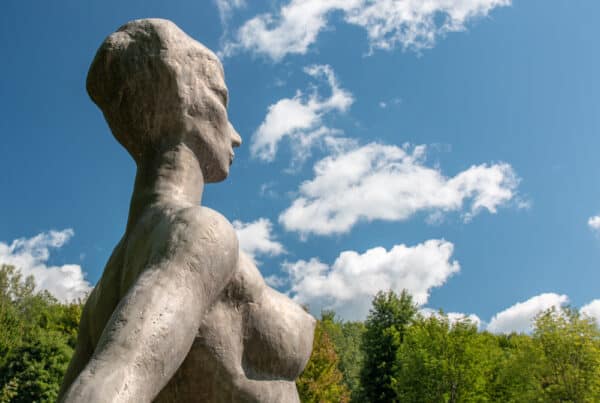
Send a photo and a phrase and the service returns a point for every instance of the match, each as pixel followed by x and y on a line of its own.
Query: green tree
pixel 347 340
pixel 441 361
pixel 11 326
pixel 37 337
pixel 385 327
pixel 352 357
pixel 321 381
pixel 516 365
pixel 570 344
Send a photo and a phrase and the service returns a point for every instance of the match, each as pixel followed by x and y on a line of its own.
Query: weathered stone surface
pixel 179 314
pixel 251 346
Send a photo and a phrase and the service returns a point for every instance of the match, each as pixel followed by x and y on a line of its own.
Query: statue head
pixel 159 88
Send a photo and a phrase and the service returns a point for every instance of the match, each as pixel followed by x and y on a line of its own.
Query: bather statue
pixel 179 315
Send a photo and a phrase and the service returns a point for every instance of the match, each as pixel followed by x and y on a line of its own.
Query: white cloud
pixel 300 118
pixel 594 223
pixel 226 8
pixel 275 281
pixel 416 24
pixel 31 255
pixel 293 30
pixel 411 24
pixel 592 310
pixel 255 238
pixel 384 182
pixel 349 285
pixel 519 317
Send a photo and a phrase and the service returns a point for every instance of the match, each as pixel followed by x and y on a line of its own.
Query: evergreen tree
pixel 385 328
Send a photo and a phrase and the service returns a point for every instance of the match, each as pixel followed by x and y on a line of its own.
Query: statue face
pixel 158 87
pixel 208 131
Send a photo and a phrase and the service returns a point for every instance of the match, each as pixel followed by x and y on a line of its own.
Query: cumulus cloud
pixel 226 8
pixel 31 255
pixel 300 118
pixel 349 284
pixel 292 30
pixel 594 223
pixel 256 238
pixel 519 317
pixel 386 182
pixel 592 310
pixel 410 24
pixel 416 24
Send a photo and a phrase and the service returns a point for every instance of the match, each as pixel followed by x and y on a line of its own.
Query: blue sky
pixel 450 150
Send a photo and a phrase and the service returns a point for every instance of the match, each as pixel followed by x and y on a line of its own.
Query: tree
pixel 441 361
pixel 516 364
pixel 11 325
pixel 570 345
pixel 385 328
pixel 321 381
pixel 352 357
pixel 37 337
pixel 347 340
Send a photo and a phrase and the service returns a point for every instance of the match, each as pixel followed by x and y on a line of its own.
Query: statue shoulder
pixel 247 284
pixel 203 227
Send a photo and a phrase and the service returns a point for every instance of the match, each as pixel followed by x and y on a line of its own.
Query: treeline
pixel 395 355
pixel 399 355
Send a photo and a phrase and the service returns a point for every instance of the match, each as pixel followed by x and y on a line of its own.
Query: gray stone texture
pixel 179 315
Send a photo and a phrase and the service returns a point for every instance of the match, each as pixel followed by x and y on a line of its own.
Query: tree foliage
pixel 441 362
pixel 37 338
pixel 321 380
pixel 570 353
pixel 385 328
pixel 513 376
pixel 347 340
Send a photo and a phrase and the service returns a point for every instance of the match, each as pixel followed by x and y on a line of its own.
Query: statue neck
pixel 169 177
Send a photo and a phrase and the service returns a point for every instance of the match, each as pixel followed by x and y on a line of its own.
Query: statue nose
pixel 236 139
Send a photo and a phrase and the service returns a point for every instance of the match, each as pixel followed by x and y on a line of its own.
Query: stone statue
pixel 179 314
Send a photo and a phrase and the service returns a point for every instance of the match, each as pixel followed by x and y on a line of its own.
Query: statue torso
pixel 249 346
pixel 199 230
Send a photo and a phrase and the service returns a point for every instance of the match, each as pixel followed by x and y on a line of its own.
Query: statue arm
pixel 147 337
pixel 83 350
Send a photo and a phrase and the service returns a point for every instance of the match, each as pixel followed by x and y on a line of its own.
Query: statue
pixel 179 314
